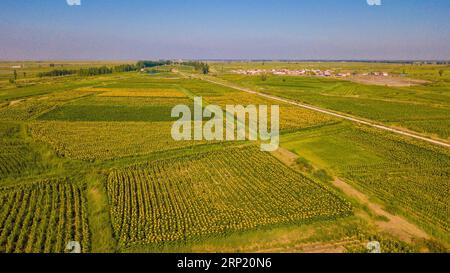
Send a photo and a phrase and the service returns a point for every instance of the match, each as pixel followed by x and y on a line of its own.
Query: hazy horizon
pixel 326 30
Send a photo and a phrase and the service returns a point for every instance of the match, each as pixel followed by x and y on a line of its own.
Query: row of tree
pixel 198 66
pixel 146 64
pixel 92 71
pixel 126 68
pixel 57 73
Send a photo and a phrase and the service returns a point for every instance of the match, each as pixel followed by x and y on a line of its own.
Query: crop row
pixel 212 194
pixel 43 217
pixel 106 140
pixel 16 155
pixel 414 178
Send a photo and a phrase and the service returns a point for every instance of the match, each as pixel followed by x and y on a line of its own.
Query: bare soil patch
pixel 14 102
pixel 387 81
pixel 285 156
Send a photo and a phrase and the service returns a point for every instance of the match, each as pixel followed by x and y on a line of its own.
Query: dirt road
pixel 325 111
pixel 395 225
pixel 392 224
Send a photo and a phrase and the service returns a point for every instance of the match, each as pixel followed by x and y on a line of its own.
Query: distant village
pixel 304 72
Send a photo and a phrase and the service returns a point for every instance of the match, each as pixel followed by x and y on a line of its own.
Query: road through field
pixel 395 224
pixel 325 111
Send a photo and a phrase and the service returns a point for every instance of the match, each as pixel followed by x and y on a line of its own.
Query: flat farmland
pixel 291 118
pixel 92 159
pixel 423 108
pixel 118 104
pixel 17 156
pixel 106 140
pixel 410 177
pixel 43 217
pixel 213 194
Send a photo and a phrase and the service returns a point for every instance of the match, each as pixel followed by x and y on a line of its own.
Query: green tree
pixel 15 75
pixel 441 72
pixel 205 68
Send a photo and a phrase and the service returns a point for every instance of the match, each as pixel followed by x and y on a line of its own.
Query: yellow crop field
pixel 106 140
pixel 291 117
pixel 213 194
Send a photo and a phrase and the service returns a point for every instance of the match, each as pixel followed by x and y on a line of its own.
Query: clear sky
pixel 225 29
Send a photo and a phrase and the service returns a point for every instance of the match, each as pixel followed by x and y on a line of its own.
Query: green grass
pixel 329 147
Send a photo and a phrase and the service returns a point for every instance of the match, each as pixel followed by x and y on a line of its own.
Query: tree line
pixel 146 64
pixel 92 71
pixel 198 66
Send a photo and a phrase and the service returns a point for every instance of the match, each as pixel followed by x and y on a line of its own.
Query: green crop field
pixel 91 158
pixel 424 108
pixel 43 217
pixel 411 178
pixel 17 156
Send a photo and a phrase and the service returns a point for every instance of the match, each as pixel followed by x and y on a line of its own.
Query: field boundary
pixel 328 112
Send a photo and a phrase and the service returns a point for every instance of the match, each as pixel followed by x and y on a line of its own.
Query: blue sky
pixel 225 29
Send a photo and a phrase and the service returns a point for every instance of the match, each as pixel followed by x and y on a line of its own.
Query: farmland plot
pixel 107 140
pixel 16 155
pixel 32 107
pixel 122 105
pixel 409 176
pixel 42 217
pixel 212 194
pixel 291 117
pixel 110 113
pixel 421 108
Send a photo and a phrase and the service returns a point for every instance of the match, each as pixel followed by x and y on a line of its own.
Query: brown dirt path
pixel 337 246
pixel 395 225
